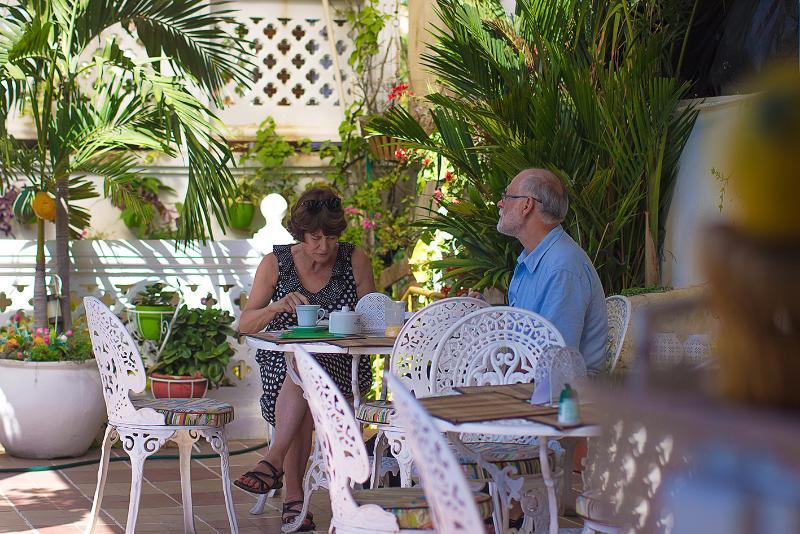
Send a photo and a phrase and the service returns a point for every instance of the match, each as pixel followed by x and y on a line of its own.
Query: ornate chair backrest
pixel 341 442
pixel 559 366
pixel 373 318
pixel 450 500
pixel 496 345
pixel 415 344
pixel 619 315
pixel 121 367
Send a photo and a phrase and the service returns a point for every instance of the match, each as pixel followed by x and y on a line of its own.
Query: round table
pixel 522 428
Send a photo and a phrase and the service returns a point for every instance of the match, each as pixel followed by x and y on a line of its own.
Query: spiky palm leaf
pixel 571 85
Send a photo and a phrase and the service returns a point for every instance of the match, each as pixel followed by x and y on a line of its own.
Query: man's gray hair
pixel 548 188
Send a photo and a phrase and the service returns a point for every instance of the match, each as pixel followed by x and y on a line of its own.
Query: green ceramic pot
pixel 150 323
pixel 242 215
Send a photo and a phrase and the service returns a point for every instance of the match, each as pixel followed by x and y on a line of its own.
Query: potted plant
pixel 196 355
pixel 151 305
pixel 243 207
pixel 51 401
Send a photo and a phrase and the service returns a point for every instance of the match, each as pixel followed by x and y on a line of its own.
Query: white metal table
pixel 315 475
pixel 523 428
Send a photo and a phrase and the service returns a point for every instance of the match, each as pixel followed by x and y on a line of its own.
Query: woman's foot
pixel 291 509
pixel 263 479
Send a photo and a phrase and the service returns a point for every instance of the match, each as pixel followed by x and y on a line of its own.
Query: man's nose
pixel 501 203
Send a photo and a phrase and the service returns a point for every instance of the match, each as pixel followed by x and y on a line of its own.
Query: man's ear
pixel 529 202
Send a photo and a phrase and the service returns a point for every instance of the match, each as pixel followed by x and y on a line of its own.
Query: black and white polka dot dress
pixel 340 291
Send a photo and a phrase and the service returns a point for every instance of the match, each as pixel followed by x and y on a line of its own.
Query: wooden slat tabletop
pixel 517 391
pixel 488 406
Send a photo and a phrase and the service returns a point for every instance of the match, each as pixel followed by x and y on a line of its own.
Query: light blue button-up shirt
pixel 558 281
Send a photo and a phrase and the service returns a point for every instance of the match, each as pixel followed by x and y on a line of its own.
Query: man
pixel 554 277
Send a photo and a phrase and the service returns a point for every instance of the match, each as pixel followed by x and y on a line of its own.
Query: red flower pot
pixel 178 387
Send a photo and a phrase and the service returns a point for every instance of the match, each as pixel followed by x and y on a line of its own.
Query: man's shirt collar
pixel 533 259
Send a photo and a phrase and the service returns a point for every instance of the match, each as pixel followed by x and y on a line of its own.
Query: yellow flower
pixel 38 340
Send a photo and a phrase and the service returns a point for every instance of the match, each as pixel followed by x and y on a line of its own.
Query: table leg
pixel 354 381
pixel 386 363
pixel 552 503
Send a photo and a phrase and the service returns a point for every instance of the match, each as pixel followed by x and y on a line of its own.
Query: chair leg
pixel 102 473
pixel 216 438
pixel 377 456
pixel 137 472
pixel 139 444
pixel 185 440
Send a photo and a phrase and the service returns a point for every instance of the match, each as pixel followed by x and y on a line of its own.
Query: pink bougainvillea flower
pixel 350 210
pixel 426 162
pixel 377 215
pixel 401 154
pixel 69 333
pixel 367 224
pixel 438 195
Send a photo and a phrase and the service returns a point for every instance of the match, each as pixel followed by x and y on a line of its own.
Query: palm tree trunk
pixel 62 249
pixel 39 286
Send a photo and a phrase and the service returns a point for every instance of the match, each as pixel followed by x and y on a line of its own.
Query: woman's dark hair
pixel 319 208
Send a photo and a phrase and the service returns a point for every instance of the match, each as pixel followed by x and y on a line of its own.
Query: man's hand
pixel 289 303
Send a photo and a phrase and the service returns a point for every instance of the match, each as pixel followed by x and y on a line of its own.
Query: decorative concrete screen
pixel 294 74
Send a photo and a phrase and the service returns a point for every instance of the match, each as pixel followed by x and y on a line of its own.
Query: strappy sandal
pixel 266 482
pixel 291 511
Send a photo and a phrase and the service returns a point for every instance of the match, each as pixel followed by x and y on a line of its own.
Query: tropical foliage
pixel 583 88
pixel 92 103
pixel 199 343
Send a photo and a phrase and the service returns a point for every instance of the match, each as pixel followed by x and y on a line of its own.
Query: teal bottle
pixel 568 411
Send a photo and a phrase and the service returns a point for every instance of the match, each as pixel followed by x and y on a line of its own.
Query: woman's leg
pixel 296 460
pixel 290 411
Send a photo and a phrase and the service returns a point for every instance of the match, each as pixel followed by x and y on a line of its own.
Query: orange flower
pixel 37 340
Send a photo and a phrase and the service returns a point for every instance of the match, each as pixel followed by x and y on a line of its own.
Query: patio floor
pixel 60 501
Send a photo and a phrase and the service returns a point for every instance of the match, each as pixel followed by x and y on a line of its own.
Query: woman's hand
pixel 289 303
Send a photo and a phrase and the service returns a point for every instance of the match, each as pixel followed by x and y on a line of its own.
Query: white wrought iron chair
pixel 144 426
pixel 451 501
pixel 373 319
pixel 410 362
pixel 493 346
pixel 340 439
pixel 619 316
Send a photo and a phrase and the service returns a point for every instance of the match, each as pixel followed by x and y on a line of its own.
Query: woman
pixel 318 269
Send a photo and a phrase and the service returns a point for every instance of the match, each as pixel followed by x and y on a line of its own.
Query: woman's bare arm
pixel 257 314
pixel 362 272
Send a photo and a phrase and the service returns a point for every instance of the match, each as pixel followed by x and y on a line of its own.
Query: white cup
pixel 309 314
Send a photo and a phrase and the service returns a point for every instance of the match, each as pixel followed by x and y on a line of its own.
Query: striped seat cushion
pixel 409 506
pixel 589 505
pixel 523 458
pixel 376 412
pixel 190 412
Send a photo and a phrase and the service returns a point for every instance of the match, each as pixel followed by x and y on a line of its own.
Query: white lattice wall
pixel 107 269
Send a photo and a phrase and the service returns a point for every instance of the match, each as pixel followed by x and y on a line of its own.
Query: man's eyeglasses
pixel 315 206
pixel 505 196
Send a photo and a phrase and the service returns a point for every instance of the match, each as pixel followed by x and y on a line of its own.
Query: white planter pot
pixel 50 409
